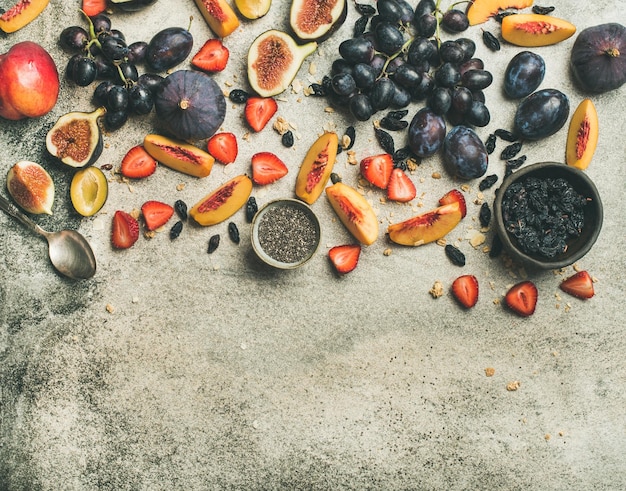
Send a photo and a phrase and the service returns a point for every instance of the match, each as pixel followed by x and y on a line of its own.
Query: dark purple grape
pixel 407 11
pixel 137 52
pixel 406 76
pixel 389 39
pixel 343 84
pixel 84 71
pixel 478 114
pixel 461 100
pixel 424 7
pixel 448 75
pixel 73 38
pixel 101 93
pixel 69 68
pixel 389 9
pixel 382 94
pixel 340 66
pixel 114 120
pixel 357 50
pixel 468 46
pixel 153 82
pixel 361 107
pixel 524 74
pixel 106 69
pixel 491 41
pixel 451 51
pixel 421 49
pixel 440 100
pixel 113 48
pixel 117 34
pixel 394 64
pixel 476 79
pixel 426 132
pixel 364 75
pixel 464 153
pixel 471 64
pixel 168 48
pixel 140 99
pixel 435 59
pixel 426 25
pixel 101 23
pixel 378 63
pixel 129 71
pixel 455 20
pixel 479 95
pixel 401 97
pixel 424 88
pixel 117 98
pixel 541 114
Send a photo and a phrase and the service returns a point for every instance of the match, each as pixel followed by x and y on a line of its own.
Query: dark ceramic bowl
pixel 285 233
pixel 577 247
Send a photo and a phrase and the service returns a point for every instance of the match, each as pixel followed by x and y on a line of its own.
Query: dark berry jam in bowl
pixel 548 215
pixel 285 233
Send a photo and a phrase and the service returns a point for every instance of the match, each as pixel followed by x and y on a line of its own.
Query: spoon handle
pixel 11 209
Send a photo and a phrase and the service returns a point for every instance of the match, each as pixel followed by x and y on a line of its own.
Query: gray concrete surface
pixel 172 369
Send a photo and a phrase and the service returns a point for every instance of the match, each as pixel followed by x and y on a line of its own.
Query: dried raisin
pixel 360 25
pixel 351 134
pixel 505 135
pixel 487 182
pixel 385 140
pixel 502 14
pixel 490 144
pixel 484 215
pixel 181 209
pixel 455 255
pixel 491 41
pixel 399 114
pixel 496 246
pixel 537 9
pixel 176 229
pixel 287 139
pixel 238 96
pixel 364 9
pixel 251 209
pixel 214 243
pixel 392 124
pixel 515 164
pixel 233 232
pixel 511 151
pixel 317 90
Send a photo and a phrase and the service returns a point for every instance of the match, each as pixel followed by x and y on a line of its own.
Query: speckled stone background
pixel 175 370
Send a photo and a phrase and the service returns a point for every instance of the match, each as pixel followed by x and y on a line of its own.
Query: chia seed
pixel 287 234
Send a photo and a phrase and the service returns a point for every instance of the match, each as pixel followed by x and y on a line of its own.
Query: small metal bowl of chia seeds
pixel 548 215
pixel 285 233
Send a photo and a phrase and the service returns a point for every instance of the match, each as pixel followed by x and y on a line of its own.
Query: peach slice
pixel 23 12
pixel 480 11
pixel 223 202
pixel 354 212
pixel 178 155
pixel 582 136
pixel 317 167
pixel 533 30
pixel 219 15
pixel 31 187
pixel 427 227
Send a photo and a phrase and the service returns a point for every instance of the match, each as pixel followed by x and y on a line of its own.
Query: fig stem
pixel 613 52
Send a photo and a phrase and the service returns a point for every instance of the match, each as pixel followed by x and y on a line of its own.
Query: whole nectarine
pixel 29 82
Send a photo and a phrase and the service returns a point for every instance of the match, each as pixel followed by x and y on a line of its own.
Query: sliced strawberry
pixel 94 7
pixel 465 290
pixel 137 163
pixel 522 298
pixel 400 187
pixel 125 230
pixel 344 258
pixel 267 168
pixel 377 169
pixel 156 214
pixel 223 147
pixel 578 285
pixel 212 57
pixel 259 110
pixel 455 196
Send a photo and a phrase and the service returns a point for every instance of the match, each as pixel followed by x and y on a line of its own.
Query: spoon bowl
pixel 69 251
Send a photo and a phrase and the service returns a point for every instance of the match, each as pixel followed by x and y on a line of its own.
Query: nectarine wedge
pixel 316 168
pixel 479 11
pixel 582 136
pixel 354 212
pixel 223 202
pixel 427 227
pixel 178 155
pixel 219 15
pixel 23 12
pixel 532 30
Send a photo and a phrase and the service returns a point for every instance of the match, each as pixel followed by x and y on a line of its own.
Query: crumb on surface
pixel 436 290
pixel 513 386
pixel 490 371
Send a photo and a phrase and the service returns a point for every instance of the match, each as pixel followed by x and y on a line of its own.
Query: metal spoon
pixel 69 251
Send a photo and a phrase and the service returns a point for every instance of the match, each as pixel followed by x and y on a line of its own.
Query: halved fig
pixel 178 155
pixel 89 191
pixel 274 59
pixel 223 202
pixel 316 20
pixel 582 136
pixel 317 167
pixel 31 187
pixel 76 138
pixel 23 12
pixel 253 9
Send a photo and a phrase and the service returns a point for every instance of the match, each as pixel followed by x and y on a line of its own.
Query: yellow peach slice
pixel 582 136
pixel 219 15
pixel 532 30
pixel 179 155
pixel 427 227
pixel 479 11
pixel 222 203
pixel 354 212
pixel 316 168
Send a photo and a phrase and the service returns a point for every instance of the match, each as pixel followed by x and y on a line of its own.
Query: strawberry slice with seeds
pixel 344 258
pixel 377 169
pixel 267 168
pixel 400 187
pixel 465 290
pixel 522 298
pixel 124 231
pixel 212 57
pixel 137 163
pixel 223 147
pixel 259 110
pixel 579 285
pixel 156 214
pixel 455 196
